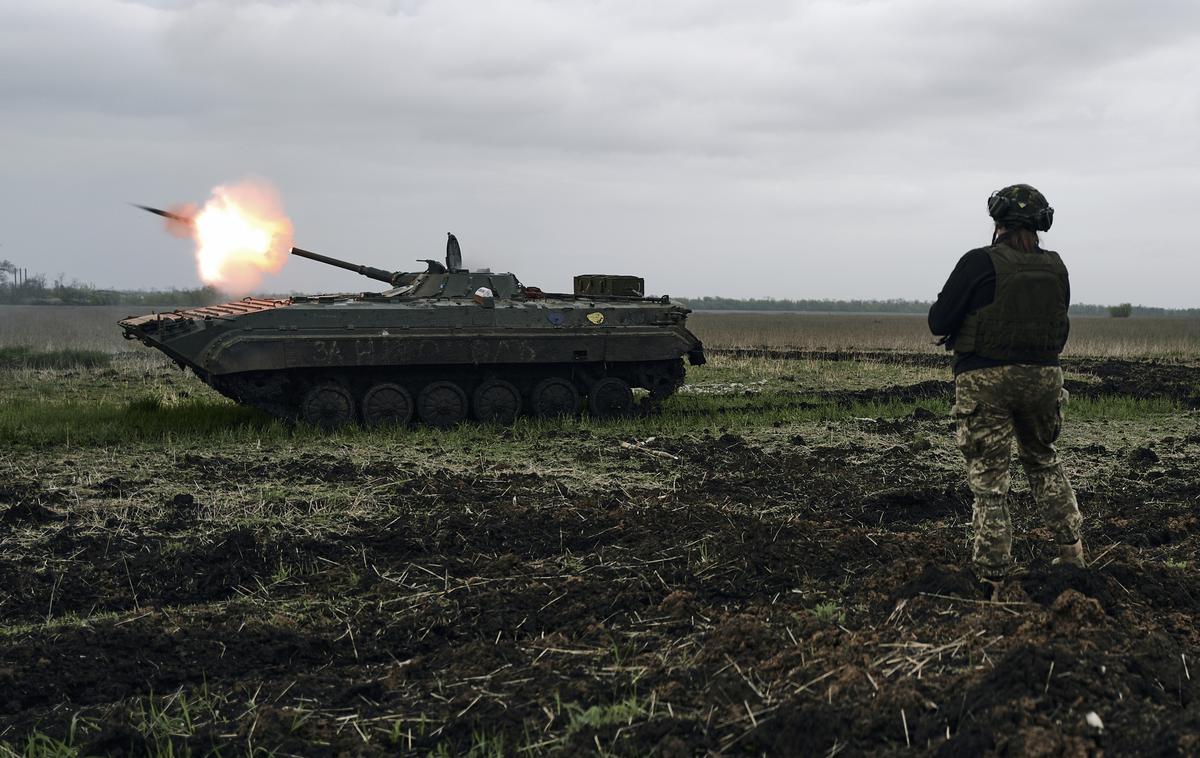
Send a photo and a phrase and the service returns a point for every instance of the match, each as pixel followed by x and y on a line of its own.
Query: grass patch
pixel 1119 407
pixel 483 745
pixel 165 726
pixel 23 357
pixel 600 716
pixel 829 613
pixel 78 422
pixel 38 745
pixel 167 723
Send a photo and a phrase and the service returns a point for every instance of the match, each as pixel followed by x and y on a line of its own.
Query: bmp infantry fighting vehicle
pixel 443 344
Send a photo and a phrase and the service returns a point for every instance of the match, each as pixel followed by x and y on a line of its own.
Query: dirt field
pixel 775 565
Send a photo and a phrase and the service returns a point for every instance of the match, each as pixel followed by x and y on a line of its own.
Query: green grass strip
pixel 75 422
pixel 36 422
pixel 23 357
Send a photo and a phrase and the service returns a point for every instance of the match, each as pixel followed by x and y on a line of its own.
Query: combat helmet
pixel 1021 205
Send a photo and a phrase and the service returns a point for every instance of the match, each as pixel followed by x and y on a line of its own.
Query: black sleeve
pixel 1068 305
pixel 965 291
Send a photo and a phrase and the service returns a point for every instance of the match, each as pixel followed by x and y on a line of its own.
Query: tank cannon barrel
pixel 367 271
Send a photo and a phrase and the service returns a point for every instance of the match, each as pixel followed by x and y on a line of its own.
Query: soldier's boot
pixel 989 579
pixel 1070 555
pixel 989 585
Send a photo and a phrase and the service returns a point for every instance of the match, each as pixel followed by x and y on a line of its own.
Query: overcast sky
pixel 838 149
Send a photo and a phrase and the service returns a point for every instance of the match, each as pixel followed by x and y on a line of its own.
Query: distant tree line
pixel 18 289
pixel 712 303
pixel 1125 310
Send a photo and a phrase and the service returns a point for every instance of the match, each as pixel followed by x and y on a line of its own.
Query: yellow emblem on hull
pixel 596 318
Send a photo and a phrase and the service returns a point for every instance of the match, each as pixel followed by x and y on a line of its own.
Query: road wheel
pixel 555 397
pixel 497 402
pixel 610 398
pixel 387 404
pixel 328 405
pixel 442 404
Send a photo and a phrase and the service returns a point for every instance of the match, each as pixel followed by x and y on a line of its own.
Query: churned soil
pixel 1142 379
pixel 794 591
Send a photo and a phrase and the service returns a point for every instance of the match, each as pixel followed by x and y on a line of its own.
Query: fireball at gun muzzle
pixel 368 271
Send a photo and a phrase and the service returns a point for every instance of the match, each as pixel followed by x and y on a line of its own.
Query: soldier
pixel 1003 312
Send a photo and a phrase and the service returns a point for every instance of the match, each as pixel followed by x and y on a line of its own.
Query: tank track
pixel 447 395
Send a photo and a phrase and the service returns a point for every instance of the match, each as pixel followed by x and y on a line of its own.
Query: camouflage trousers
pixel 992 406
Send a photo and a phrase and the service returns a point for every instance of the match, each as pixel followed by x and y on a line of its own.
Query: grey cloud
pixel 832 138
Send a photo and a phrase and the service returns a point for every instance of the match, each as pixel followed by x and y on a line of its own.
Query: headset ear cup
pixel 1045 219
pixel 997 205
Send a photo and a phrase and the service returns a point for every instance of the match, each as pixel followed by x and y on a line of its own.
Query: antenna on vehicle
pixel 453 254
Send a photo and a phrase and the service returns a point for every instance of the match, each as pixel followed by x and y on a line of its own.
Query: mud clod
pixel 1050 584
pixel 27 513
pixel 941 580
pixel 1142 457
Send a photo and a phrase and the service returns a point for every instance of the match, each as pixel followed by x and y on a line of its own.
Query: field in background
pixel 68 327
pixel 95 327
pixel 774 564
pixel 1100 337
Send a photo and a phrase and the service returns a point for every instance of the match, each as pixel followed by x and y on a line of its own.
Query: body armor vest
pixel 1027 320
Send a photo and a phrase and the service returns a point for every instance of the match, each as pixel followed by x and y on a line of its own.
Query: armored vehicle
pixel 442 344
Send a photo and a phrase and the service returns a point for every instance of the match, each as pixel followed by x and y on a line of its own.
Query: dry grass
pixel 1118 338
pixel 68 327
